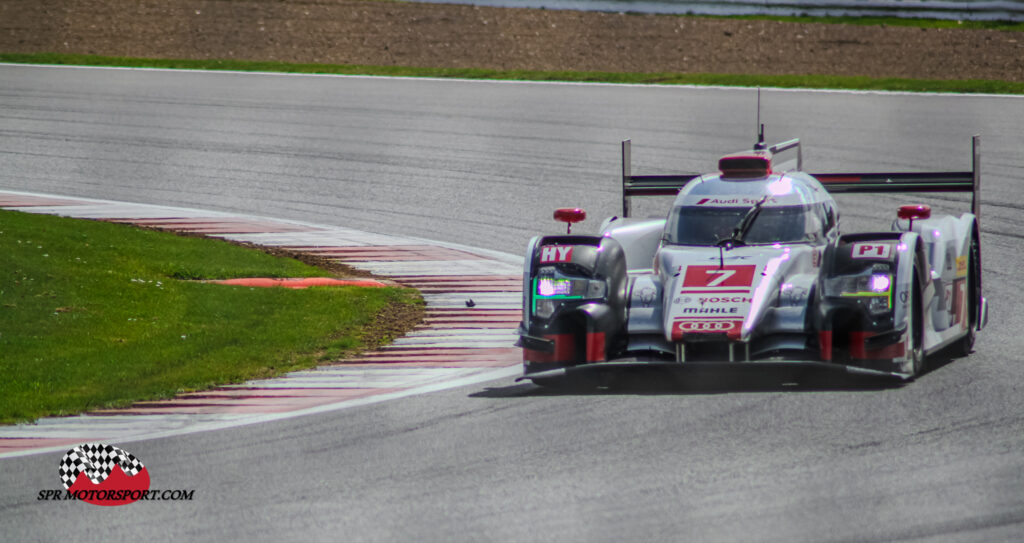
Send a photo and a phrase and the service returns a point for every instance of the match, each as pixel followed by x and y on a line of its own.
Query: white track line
pixel 667 87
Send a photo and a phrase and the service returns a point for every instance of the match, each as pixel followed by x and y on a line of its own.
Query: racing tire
pixel 915 330
pixel 964 345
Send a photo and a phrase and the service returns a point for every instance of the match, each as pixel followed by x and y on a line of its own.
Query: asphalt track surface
pixel 483 164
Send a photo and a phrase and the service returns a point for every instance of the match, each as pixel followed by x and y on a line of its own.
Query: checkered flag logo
pixel 96 461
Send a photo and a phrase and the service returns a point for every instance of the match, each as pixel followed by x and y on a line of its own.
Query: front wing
pixel 771 370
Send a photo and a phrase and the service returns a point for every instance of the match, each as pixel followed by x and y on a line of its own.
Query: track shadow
pixel 940 360
pixel 662 381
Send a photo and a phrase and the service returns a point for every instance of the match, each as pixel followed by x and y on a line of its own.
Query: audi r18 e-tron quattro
pixel 749 269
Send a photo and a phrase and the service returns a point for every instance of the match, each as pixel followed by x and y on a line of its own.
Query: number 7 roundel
pixel 719 276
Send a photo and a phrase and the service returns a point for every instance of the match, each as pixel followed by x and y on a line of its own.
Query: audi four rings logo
pixel 706 326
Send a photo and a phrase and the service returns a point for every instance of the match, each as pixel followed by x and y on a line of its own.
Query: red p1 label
pixel 555 253
pixel 871 250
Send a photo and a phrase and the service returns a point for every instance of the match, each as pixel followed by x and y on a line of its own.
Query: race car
pixel 749 270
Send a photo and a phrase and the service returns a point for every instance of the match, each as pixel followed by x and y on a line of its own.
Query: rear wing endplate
pixel 837 183
pixel 647 185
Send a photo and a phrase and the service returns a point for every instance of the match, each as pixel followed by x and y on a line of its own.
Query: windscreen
pixel 692 225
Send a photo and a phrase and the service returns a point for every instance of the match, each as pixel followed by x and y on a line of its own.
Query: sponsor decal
pixel 682 327
pixel 647 295
pixel 710 310
pixel 956 301
pixel 733 201
pixel 961 266
pixel 728 257
pixel 959 309
pixel 714 291
pixel 710 305
pixel 555 253
pixel 792 295
pixel 106 475
pixel 719 276
pixel 725 300
pixel 873 250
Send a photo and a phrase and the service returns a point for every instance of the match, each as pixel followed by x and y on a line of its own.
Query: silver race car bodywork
pixel 749 269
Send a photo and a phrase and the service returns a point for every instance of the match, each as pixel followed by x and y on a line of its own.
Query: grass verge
pixel 733 80
pixel 99 315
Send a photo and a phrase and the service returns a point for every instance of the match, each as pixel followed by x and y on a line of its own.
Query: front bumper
pixel 769 369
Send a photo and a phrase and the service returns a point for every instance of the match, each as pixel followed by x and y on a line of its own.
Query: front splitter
pixel 780 369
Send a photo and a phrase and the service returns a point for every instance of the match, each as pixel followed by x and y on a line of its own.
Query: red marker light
pixel 914 212
pixel 747 165
pixel 570 215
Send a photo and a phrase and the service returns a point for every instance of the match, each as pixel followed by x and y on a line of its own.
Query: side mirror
pixel 570 215
pixel 914 212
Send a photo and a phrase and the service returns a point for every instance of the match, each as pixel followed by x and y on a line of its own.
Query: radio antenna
pixel 759 128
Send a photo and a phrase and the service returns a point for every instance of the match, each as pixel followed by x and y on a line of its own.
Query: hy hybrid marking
pixel 457 345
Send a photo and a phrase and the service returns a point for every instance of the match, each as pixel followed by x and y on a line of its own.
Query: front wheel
pixel 915 361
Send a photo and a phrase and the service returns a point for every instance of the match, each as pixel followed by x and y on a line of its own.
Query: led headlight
pixel 875 288
pixel 879 282
pixel 878 305
pixel 549 286
pixel 544 308
pixel 551 290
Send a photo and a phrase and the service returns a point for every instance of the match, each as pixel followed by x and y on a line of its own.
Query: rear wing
pixel 967 181
pixel 837 183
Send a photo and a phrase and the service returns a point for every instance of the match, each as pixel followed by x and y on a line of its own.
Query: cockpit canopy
pixel 692 225
pixel 794 208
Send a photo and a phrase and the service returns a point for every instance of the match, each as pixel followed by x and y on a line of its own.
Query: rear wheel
pixel 964 345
